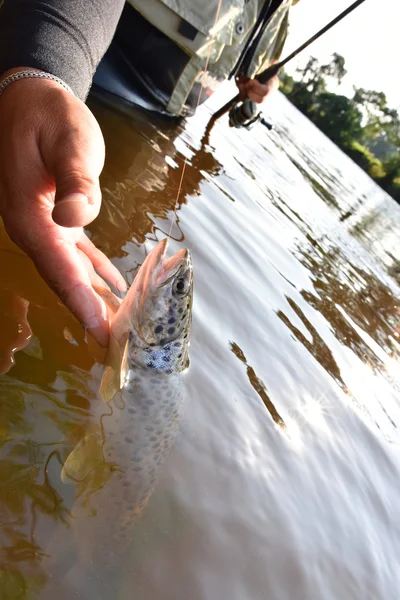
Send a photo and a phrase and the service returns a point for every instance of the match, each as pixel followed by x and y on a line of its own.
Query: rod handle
pixel 269 73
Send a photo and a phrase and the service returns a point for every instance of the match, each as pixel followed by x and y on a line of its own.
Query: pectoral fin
pixel 115 373
pixel 85 457
pixel 110 384
pixel 117 357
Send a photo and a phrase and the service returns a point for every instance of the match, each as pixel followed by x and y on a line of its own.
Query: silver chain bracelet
pixel 32 74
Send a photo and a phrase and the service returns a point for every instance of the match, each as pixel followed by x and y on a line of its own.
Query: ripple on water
pixel 282 481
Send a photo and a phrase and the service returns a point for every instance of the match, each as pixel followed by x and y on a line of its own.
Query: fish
pixel 133 429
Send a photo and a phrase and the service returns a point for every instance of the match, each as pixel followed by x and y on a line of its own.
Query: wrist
pixel 5 74
pixel 16 74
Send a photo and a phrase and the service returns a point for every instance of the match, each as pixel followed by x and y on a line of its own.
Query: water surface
pixel 283 479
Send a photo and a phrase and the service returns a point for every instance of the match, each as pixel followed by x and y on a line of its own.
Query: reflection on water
pixel 16 329
pixel 143 163
pixel 259 386
pixel 316 345
pixel 296 255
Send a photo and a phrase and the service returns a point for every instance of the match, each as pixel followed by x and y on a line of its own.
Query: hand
pixel 51 156
pixel 254 90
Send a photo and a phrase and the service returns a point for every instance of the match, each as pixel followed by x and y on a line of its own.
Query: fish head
pixel 162 313
pixel 151 327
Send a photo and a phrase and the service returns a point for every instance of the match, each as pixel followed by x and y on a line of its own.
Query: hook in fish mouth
pixel 166 268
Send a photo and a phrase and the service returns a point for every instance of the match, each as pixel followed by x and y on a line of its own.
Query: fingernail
pixel 96 325
pixel 75 210
pixel 121 286
pixel 100 334
pixel 75 198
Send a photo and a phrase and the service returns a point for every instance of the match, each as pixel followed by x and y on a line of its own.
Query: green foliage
pixel 363 126
pixel 338 118
pixel 380 146
pixel 302 98
pixel 381 121
pixel 392 166
pixel 313 73
pixel 286 83
pixel 366 160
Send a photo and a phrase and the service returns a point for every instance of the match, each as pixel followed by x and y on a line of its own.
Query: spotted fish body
pixel 151 328
pixel 115 466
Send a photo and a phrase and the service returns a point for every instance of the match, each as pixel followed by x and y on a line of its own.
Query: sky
pixel 368 38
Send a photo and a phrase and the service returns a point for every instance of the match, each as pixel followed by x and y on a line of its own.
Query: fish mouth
pixel 158 270
pixel 181 261
pixel 166 268
pixel 158 253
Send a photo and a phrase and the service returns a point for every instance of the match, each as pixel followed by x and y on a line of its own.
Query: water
pixel 283 479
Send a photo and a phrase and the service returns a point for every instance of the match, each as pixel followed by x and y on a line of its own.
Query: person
pixel 51 147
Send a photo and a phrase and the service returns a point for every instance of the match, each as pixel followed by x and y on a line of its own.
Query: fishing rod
pixel 244 114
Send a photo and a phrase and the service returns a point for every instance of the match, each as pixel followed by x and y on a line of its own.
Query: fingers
pixel 241 83
pixel 95 280
pixel 256 91
pixel 51 147
pixel 101 263
pixel 258 98
pixel 77 210
pixel 74 156
pixel 65 272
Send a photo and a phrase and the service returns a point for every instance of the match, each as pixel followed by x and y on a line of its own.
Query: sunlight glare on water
pixel 281 478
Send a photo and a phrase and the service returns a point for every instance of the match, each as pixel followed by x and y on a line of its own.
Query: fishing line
pixel 197 104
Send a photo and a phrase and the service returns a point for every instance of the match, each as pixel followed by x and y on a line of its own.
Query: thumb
pixel 75 161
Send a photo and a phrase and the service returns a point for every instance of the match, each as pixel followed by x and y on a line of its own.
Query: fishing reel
pixel 246 115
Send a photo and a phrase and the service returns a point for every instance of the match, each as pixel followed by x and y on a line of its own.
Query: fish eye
pixel 180 286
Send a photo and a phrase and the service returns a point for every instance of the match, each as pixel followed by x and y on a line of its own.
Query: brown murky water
pixel 283 478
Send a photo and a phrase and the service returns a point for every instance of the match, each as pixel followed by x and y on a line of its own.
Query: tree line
pixel 363 126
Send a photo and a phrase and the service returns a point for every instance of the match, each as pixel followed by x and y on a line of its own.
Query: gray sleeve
pixel 64 37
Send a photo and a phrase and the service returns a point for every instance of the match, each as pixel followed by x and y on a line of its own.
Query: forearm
pixel 64 37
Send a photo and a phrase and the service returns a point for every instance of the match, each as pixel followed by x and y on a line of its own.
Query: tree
pixel 313 74
pixel 310 71
pixel 377 114
pixel 286 82
pixel 338 118
pixel 364 126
